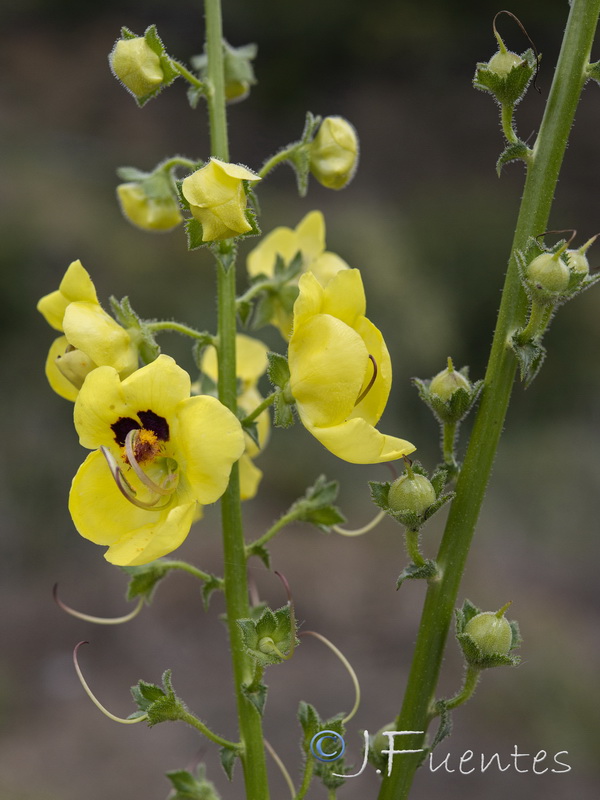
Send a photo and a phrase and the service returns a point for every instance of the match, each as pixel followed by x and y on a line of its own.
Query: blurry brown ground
pixel 430 225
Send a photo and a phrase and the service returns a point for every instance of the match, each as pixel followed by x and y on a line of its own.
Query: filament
pixel 366 391
pixel 349 669
pixel 125 487
pixel 145 479
pixel 97 620
pixel 94 699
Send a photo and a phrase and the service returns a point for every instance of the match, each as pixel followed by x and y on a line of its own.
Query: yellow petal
pixel 99 404
pixel 328 361
pixel 250 478
pixel 134 535
pixel 236 171
pixel 250 361
pixel 325 266
pixel 310 233
pixel 90 329
pixel 280 241
pixel 344 296
pixel 159 386
pixel 360 443
pixel 75 285
pixel 56 379
pixel 154 540
pixel 373 405
pixel 209 441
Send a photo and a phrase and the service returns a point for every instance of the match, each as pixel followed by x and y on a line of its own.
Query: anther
pixel 126 488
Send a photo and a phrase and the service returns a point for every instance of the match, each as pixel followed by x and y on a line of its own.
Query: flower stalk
pixel 542 175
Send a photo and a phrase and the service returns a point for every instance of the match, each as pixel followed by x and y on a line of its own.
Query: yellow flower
pixel 91 337
pixel 217 199
pixel 146 211
pixel 334 153
pixel 161 454
pixel 340 370
pixel 251 364
pixel 307 238
pixel 137 66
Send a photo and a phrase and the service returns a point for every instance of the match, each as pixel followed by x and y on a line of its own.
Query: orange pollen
pixel 145 446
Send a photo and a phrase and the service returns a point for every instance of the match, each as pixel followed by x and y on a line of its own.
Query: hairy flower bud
pixel 548 272
pixel 334 153
pixel 411 492
pixel 446 382
pixel 148 211
pixel 137 66
pixel 503 62
pixel 491 632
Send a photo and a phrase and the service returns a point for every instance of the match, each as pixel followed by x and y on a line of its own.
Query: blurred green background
pixel 429 224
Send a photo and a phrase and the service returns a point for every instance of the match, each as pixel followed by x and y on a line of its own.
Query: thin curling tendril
pixel 97 620
pixel 349 669
pixel 94 699
pixel 359 531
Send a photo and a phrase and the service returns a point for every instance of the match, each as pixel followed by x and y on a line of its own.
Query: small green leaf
pixel 261 552
pixel 228 757
pixel 160 704
pixel 190 787
pixel 513 152
pixel 530 357
pixel 214 584
pixel 426 571
pixel 144 579
pixel 257 695
pixel 316 506
pixel 445 728
pixel 593 71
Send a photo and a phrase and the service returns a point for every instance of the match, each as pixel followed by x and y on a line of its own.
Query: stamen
pixel 125 487
pixel 359 531
pixel 288 591
pixel 364 393
pixel 97 620
pixel 130 441
pixel 95 701
pixel 348 666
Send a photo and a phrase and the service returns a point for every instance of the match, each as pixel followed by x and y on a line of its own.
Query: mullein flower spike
pixel 159 455
pixel 91 337
pixel 218 200
pixel 331 354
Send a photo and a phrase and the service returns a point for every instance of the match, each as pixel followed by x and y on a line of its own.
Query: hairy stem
pixel 542 176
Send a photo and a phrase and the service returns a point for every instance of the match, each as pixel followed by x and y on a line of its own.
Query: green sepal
pixel 252 220
pixel 316 506
pixel 274 627
pixel 144 579
pixel 257 695
pixel 593 71
pixel 283 416
pixel 278 370
pixel 244 311
pixel 132 174
pixel 228 757
pixel 237 67
pixel 300 159
pixel 194 233
pixel 160 704
pixel 517 151
pixel 507 89
pixel 411 520
pixel 311 724
pixel 471 650
pixel 425 571
pixel 192 787
pixel 141 334
pixel 530 357
pixel 154 42
pixel 277 293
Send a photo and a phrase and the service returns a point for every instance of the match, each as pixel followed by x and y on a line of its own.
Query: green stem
pixel 278 158
pixel 178 161
pixel 542 176
pixel 448 442
pixel 177 327
pixel 190 78
pixel 539 318
pixel 234 552
pixel 309 768
pixel 268 401
pixel 214 737
pixel 286 519
pixel 411 540
pixel 507 123
pixel 185 567
pixel 472 676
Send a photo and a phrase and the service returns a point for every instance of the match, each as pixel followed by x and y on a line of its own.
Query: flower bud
pixel 548 272
pixel 445 383
pixel 75 366
pixel 334 153
pixel 491 632
pixel 503 62
pixel 412 493
pixel 578 262
pixel 148 211
pixel 217 199
pixel 137 66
